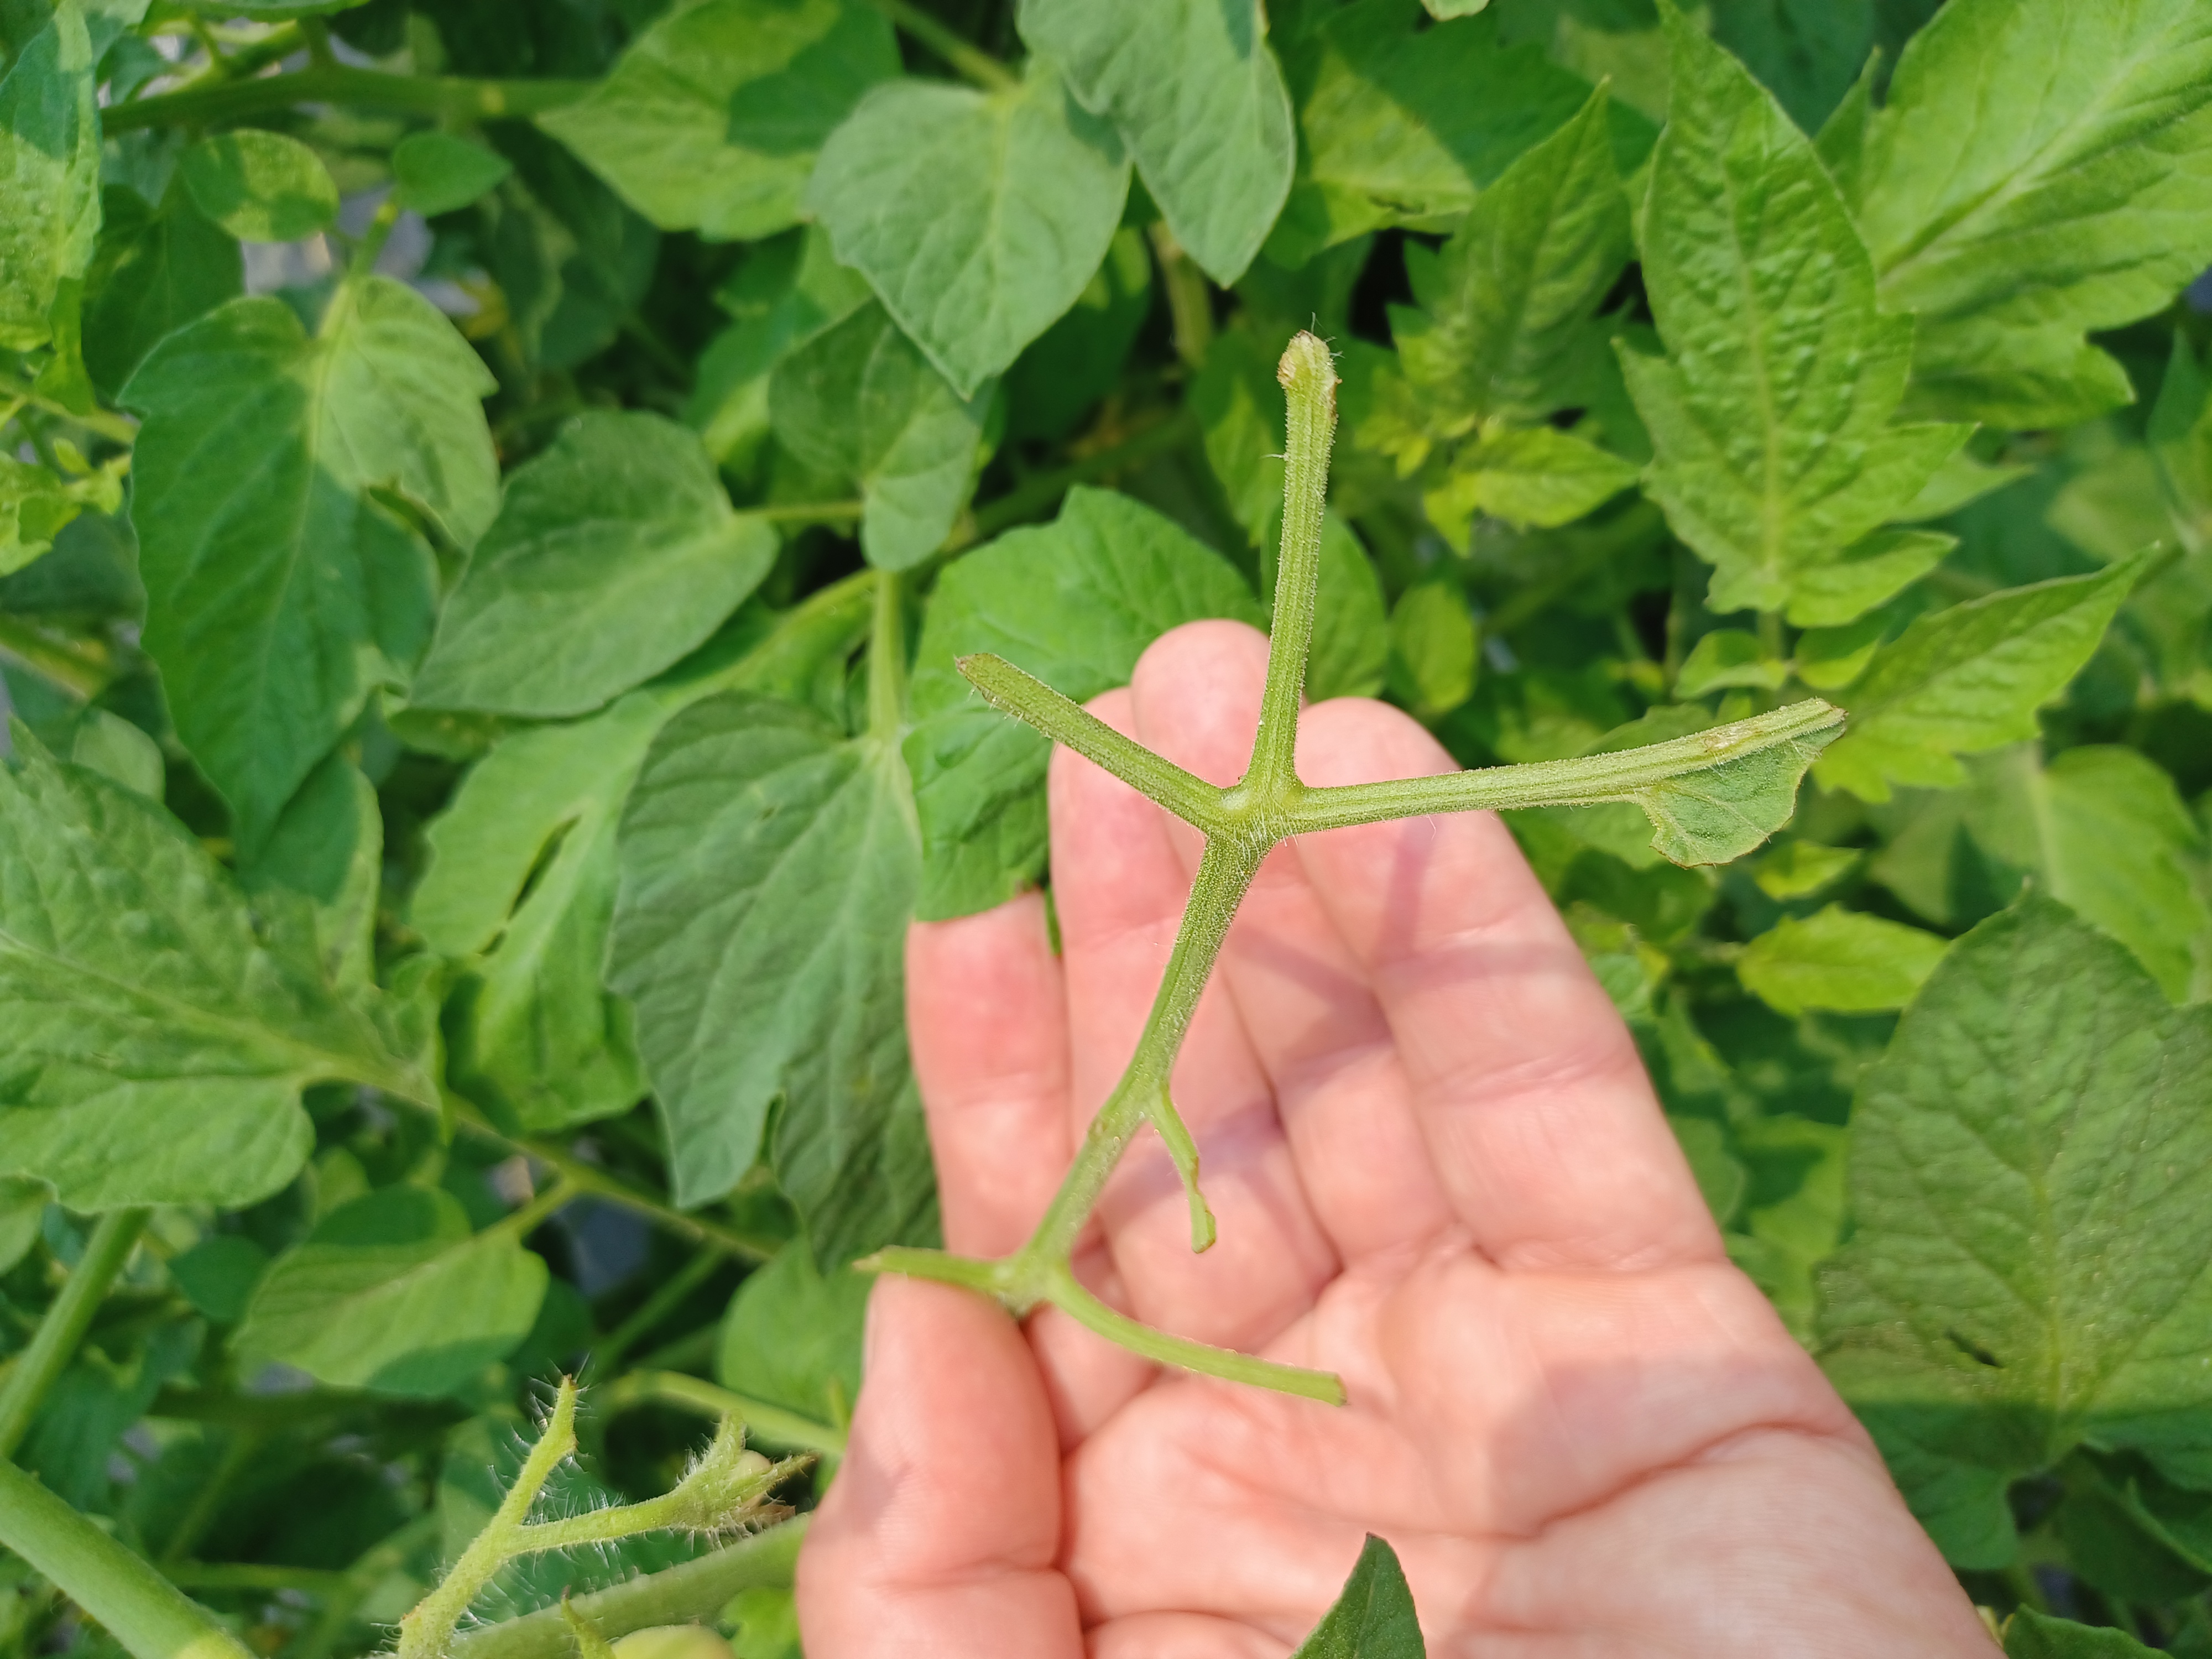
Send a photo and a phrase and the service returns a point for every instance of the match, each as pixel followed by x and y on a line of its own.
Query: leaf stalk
pixel 40 1365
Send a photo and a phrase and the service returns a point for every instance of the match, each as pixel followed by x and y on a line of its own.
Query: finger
pixel 1538 1116
pixel 1121 891
pixel 987 1021
pixel 940 1535
pixel 1302 997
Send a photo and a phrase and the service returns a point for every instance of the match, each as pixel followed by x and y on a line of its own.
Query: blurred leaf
pixel 1806 52
pixel 1401 124
pixel 1080 358
pixel 436 173
pixel 1870 572
pixel 614 554
pixel 1728 656
pixel 712 117
pixel 2039 1101
pixel 22 1207
pixel 1799 869
pixel 260 186
pixel 1196 95
pixel 1966 679
pixel 1541 477
pixel 1432 649
pixel 977 218
pixel 1074 603
pixel 110 745
pixel 279 595
pixel 1720 1175
pixel 1758 280
pixel 218 1274
pixel 49 175
pixel 1837 959
pixel 767 867
pixel 156 270
pixel 328 849
pixel 392 1293
pixel 2068 194
pixel 2031 1635
pixel 1505 302
pixel 792 1336
pixel 861 404
pixel 157 1040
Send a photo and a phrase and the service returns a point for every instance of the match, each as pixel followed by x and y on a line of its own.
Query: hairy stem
pixel 696 1590
pixel 66 1320
pixel 1307 374
pixel 426 1632
pixel 148 1616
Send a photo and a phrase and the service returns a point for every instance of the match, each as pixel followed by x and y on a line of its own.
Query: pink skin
pixel 1440 1171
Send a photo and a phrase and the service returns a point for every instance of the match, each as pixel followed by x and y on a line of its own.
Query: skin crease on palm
pixel 1440 1171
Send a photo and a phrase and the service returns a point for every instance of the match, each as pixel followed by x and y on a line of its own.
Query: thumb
pixel 940 1532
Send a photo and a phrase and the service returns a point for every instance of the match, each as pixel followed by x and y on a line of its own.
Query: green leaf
pixel 1806 52
pixel 978 218
pixel 1074 603
pixel 1966 679
pixel 1724 810
pixel 110 745
pixel 2039 1100
pixel 1505 302
pixel 1799 869
pixel 1373 1618
pixel 786 292
pixel 861 404
pixel 1836 958
pixel 521 879
pixel 157 1038
pixel 36 505
pixel 1077 361
pixel 1433 649
pixel 2105 831
pixel 156 270
pixel 792 1336
pixel 22 1209
pixel 218 1275
pixel 1197 98
pixel 767 867
pixel 328 848
pixel 615 553
pixel 280 594
pixel 2180 438
pixel 1870 572
pixel 2031 1635
pixel 1537 476
pixel 1401 124
pixel 49 175
pixel 1728 656
pixel 1349 655
pixel 2073 196
pixel 1771 412
pixel 260 186
pixel 391 1291
pixel 434 173
pixel 712 118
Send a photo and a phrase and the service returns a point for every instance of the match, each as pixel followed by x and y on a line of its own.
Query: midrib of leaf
pixel 318 1062
pixel 2048 158
pixel 1770 509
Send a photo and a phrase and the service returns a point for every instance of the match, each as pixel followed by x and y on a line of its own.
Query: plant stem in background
pixel 772 1424
pixel 444 97
pixel 1190 301
pixel 137 1607
pixel 65 1323
pixel 975 64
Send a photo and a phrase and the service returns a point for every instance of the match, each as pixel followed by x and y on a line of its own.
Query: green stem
pixel 1627 774
pixel 1040 490
pixel 590 1180
pixel 776 1426
pixel 973 62
pixel 1307 374
pixel 811 512
pixel 524 1221
pixel 116 428
pixel 887 660
pixel 245 1445
pixel 252 1576
pixel 443 97
pixel 366 251
pixel 1203 1357
pixel 426 1632
pixel 664 1300
pixel 1190 304
pixel 376 1563
pixel 148 1616
pixel 66 1320
pixel 82 670
pixel 695 1590
pixel 1191 798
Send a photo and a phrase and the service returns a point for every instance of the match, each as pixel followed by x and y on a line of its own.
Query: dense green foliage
pixel 493 493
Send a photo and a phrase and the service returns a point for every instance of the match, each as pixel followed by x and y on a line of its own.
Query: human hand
pixel 1439 1170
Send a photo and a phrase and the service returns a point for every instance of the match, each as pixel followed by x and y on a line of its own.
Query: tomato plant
pixel 535 539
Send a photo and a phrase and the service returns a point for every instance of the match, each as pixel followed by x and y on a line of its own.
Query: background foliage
pixel 476 475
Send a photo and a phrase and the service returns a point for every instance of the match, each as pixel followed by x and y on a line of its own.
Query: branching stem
pixel 1268 805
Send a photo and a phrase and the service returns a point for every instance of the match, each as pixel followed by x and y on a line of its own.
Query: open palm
pixel 1439 1171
